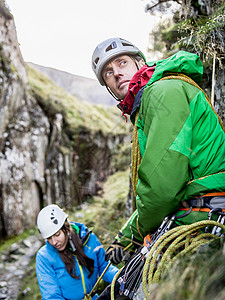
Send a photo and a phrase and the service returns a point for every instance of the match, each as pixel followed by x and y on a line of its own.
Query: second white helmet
pixel 50 220
pixel 109 49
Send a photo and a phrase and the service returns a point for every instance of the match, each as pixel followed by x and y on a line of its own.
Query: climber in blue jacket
pixel 69 263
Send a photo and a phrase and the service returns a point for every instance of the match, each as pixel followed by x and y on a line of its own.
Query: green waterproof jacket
pixel 182 145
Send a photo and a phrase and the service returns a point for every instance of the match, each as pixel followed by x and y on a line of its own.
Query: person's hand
pixel 115 253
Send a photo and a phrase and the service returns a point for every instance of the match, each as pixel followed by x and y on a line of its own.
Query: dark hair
pixel 137 57
pixel 68 257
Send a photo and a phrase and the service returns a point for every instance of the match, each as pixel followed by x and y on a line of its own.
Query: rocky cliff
pixel 53 148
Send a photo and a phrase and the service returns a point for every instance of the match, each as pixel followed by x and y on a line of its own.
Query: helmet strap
pixel 111 93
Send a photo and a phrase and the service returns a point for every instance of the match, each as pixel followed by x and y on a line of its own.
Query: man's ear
pixel 141 63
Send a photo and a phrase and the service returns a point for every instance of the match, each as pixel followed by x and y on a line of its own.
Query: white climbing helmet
pixel 108 50
pixel 50 219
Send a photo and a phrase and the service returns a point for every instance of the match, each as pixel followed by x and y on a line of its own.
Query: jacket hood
pixel 181 62
pixel 84 231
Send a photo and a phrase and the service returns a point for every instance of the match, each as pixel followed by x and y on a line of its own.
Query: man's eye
pixel 108 74
pixel 123 62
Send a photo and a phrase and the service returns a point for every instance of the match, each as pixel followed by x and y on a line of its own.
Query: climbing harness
pixel 167 244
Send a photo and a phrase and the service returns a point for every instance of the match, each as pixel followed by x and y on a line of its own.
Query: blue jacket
pixel 54 280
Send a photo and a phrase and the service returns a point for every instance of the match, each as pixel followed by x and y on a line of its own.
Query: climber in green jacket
pixel 180 141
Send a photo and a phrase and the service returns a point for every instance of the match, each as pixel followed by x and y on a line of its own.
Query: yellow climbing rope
pixel 114 282
pixel 172 245
pixel 187 79
pixel 135 157
pixel 117 274
pixel 168 246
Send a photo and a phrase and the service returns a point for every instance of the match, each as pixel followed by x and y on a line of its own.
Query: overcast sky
pixel 64 33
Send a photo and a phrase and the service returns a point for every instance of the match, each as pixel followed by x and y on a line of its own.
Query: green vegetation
pixel 6 243
pixel 194 27
pixel 77 114
pixel 205 35
pixel 105 213
pixel 121 157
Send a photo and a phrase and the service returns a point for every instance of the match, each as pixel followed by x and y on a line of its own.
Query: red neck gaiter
pixel 140 79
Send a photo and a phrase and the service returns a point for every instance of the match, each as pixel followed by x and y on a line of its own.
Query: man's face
pixel 118 73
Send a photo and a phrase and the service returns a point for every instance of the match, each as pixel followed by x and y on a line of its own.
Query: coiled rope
pixel 172 241
pixel 167 249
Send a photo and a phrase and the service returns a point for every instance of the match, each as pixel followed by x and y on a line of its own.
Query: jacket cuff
pixel 130 232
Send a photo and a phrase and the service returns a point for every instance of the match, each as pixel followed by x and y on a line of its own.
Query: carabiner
pixel 210 214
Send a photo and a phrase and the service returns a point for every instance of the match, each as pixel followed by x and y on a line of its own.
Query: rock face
pixel 39 162
pixel 18 210
pixel 220 93
pixel 219 88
